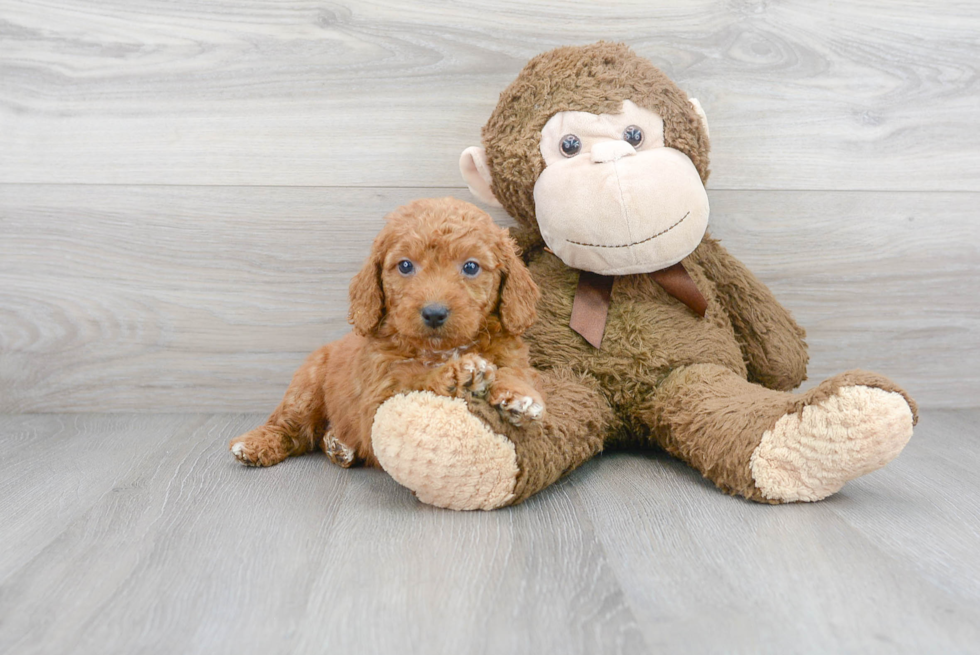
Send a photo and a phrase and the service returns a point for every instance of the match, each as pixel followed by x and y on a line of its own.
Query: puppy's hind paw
pixel 260 447
pixel 243 456
pixel 338 452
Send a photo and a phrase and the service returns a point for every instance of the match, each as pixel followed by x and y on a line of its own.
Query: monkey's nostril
pixel 435 315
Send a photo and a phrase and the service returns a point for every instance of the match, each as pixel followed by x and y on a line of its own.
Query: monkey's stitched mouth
pixel 635 243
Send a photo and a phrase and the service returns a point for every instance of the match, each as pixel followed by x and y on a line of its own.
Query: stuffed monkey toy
pixel 649 332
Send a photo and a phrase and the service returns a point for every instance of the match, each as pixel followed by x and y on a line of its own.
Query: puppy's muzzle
pixel 435 314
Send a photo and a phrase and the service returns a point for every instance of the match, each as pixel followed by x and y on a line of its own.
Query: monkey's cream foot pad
pixel 810 455
pixel 449 458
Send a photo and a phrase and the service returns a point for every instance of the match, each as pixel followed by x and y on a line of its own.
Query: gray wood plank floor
pixel 140 534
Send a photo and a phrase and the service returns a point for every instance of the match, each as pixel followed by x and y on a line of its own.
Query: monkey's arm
pixel 771 341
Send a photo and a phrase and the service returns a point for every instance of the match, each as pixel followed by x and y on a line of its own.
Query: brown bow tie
pixel 591 304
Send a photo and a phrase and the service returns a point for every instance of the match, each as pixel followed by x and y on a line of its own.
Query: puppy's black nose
pixel 435 315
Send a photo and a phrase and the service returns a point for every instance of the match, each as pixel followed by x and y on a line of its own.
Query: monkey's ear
pixel 700 112
pixel 367 299
pixel 476 173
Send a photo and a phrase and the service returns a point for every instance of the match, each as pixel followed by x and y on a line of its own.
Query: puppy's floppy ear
pixel 367 296
pixel 518 292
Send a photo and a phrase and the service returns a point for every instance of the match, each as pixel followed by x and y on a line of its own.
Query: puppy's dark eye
pixel 406 267
pixel 633 135
pixel 570 145
pixel 471 268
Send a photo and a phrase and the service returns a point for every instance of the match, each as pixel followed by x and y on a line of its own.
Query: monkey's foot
pixel 449 458
pixel 810 454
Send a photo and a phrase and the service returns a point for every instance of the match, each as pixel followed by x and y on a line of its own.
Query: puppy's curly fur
pixel 476 350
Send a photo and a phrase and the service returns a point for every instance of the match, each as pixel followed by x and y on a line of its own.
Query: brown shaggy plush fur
pixel 573 431
pixel 704 389
pixel 476 352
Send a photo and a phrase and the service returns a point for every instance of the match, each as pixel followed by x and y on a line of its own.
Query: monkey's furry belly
pixel 648 332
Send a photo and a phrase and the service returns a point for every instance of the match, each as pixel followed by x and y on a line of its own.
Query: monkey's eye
pixel 406 267
pixel 570 145
pixel 633 136
pixel 471 268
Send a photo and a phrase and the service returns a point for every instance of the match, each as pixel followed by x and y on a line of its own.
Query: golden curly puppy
pixel 439 305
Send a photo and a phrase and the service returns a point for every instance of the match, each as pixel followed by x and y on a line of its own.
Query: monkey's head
pixel 603 154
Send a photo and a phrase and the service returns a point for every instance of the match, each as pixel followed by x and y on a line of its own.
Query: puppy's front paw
pixel 517 406
pixel 470 374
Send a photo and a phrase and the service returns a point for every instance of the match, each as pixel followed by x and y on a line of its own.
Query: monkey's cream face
pixel 613 199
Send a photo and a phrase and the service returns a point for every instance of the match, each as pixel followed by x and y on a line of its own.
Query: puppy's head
pixel 440 272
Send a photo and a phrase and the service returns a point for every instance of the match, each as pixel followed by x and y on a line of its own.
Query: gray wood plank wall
pixel 186 188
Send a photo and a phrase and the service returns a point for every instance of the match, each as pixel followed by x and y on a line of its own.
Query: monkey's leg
pixel 465 455
pixel 774 446
pixel 296 426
